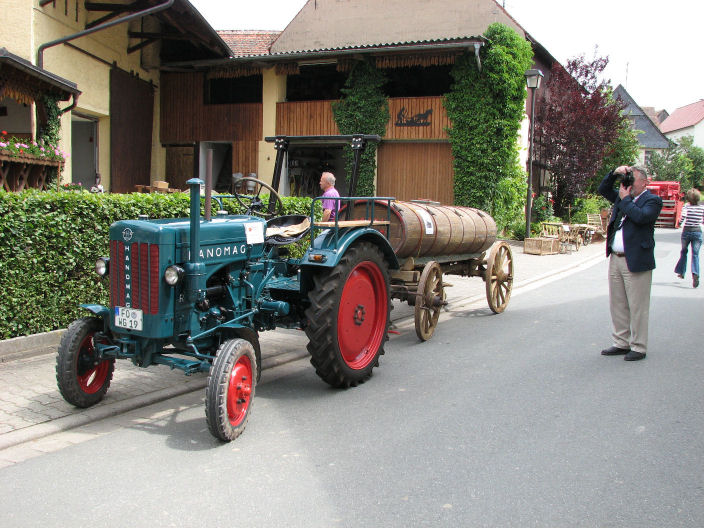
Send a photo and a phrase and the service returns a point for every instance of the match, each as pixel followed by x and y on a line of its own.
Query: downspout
pixel 138 14
pixel 477 47
pixel 46 45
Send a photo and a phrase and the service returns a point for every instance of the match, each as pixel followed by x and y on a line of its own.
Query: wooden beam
pixel 143 44
pixel 152 35
pixel 96 6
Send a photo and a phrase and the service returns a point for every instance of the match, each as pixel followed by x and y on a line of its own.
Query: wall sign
pixel 422 119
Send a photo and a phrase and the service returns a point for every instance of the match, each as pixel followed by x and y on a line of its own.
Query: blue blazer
pixel 638 228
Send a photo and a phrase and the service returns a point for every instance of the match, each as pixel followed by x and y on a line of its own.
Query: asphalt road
pixel 498 421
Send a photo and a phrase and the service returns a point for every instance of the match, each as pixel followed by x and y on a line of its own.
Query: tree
pixel 682 162
pixel 578 125
pixel 622 151
pixel 363 109
pixel 696 156
pixel 670 165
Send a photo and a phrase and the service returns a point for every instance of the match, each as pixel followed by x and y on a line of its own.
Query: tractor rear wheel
pixel 230 389
pixel 348 317
pixel 82 377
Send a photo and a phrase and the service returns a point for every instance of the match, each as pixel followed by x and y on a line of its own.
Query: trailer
pixel 671 195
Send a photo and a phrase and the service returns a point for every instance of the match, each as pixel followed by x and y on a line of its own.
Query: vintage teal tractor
pixel 195 293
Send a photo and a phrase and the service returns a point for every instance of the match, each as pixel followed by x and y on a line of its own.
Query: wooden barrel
pixel 426 229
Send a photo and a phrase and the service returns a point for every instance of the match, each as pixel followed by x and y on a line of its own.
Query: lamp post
pixel 533 78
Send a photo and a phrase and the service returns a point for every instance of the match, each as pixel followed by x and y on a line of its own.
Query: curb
pixel 93 414
pixel 29 346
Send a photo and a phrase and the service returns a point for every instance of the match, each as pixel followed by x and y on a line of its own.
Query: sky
pixel 654 46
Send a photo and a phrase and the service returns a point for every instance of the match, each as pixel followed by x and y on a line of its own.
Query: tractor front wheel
pixel 230 389
pixel 348 317
pixel 83 377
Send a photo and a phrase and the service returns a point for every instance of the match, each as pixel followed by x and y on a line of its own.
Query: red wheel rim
pixel 239 391
pixel 90 377
pixel 361 317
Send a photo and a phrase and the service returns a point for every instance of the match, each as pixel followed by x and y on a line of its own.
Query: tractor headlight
pixel 173 275
pixel 102 266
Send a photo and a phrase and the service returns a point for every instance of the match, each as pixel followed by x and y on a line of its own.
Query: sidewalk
pixel 31 406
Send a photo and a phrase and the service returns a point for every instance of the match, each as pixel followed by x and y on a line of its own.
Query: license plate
pixel 129 318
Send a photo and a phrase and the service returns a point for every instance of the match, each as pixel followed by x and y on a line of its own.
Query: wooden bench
pixel 595 221
pixel 564 233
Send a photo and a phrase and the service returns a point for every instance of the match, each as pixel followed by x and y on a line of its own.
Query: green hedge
pixel 49 242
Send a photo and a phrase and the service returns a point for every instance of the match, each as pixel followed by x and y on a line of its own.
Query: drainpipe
pixel 138 14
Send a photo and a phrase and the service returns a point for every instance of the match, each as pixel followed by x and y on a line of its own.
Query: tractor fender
pixel 331 253
pixel 101 311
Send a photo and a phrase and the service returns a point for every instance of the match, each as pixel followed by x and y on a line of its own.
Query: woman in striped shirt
pixel 692 218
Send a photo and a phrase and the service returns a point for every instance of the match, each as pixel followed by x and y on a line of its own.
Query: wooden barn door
pixel 415 171
pixel 131 117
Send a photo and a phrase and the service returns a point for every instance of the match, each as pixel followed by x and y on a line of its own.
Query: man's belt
pixel 618 253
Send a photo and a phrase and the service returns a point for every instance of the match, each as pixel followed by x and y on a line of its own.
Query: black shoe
pixel 615 351
pixel 695 280
pixel 634 356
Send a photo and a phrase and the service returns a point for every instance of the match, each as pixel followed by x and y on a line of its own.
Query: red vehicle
pixel 671 196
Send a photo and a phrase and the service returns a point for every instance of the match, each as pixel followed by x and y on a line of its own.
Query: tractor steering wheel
pixel 252 202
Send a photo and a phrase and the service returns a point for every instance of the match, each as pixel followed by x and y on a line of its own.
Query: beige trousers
pixel 629 301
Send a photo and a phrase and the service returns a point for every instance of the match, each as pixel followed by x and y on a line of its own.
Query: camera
pixel 627 179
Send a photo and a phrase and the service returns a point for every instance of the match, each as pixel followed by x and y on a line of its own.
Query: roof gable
pixel 651 137
pixel 684 117
pixel 246 43
pixel 340 24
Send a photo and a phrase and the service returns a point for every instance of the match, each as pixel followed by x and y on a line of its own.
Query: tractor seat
pixel 286 229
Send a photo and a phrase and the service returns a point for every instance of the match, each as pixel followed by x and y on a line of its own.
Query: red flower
pixel 4 132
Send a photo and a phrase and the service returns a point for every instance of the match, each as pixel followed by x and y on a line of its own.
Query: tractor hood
pixel 221 239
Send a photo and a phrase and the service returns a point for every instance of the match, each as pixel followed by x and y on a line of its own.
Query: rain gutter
pixel 138 14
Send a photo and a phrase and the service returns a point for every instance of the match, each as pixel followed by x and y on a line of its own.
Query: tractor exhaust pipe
pixel 195 269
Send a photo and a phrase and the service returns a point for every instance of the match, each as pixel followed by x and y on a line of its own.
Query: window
pixel 315 83
pixel 417 81
pixel 232 91
pixel 648 154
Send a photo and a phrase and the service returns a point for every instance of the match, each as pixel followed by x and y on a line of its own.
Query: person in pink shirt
pixel 330 206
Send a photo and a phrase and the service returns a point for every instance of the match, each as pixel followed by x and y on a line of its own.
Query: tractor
pixel 194 294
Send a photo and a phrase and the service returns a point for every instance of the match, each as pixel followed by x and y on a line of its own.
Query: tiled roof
pixel 323 25
pixel 656 116
pixel 374 46
pixel 686 116
pixel 249 42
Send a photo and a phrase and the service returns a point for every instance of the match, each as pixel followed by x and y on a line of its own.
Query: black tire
pixel 228 404
pixel 347 328
pixel 83 380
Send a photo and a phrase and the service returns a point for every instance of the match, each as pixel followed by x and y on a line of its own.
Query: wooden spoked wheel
pixel 430 298
pixel 499 277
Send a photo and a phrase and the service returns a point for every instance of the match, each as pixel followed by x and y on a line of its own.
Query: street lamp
pixel 533 78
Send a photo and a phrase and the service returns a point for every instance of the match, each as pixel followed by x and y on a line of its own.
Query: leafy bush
pixel 486 109
pixel 589 204
pixel 49 242
pixel 541 210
